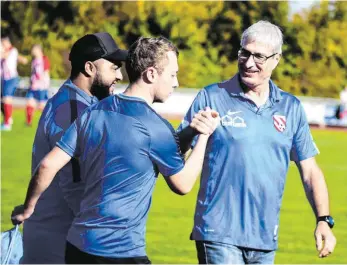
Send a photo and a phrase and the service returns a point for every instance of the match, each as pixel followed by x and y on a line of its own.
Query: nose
pixel 119 75
pixel 176 84
pixel 249 62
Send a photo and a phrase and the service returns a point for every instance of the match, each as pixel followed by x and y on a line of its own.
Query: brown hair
pixel 148 52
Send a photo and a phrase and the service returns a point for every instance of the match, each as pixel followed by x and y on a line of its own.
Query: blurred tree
pixel 56 25
pixel 323 48
pixel 184 23
pixel 207 34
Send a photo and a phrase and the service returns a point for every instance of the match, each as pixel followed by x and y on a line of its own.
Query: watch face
pixel 330 221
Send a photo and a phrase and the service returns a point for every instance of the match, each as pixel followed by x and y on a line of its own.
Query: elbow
pixel 181 190
pixel 45 164
pixel 180 183
pixel 186 191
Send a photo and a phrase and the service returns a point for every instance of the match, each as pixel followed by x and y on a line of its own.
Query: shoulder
pixel 105 104
pixel 165 124
pixel 207 92
pixel 14 51
pixel 230 85
pixel 161 132
pixel 284 95
pixel 136 111
pixel 290 98
pixel 211 93
pixel 213 89
pixel 61 96
pixel 12 54
pixel 291 104
pixel 65 104
pixel 150 119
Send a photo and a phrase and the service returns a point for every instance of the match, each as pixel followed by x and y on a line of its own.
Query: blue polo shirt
pixel 122 144
pixel 45 231
pixel 246 164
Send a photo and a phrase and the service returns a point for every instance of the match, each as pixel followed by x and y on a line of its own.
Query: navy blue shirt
pixel 122 144
pixel 53 213
pixel 246 164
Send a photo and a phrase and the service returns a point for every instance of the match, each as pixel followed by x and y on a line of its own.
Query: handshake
pixel 205 121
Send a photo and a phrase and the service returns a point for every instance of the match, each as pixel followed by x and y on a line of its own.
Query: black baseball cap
pixel 95 46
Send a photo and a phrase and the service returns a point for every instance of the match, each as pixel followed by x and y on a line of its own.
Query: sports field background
pixel 171 216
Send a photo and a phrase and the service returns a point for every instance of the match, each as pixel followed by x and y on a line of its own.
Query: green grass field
pixel 171 216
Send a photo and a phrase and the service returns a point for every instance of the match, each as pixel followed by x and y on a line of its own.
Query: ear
pixel 151 74
pixel 277 60
pixel 89 68
pixel 278 57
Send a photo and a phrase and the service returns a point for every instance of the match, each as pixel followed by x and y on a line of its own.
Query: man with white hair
pixel 247 158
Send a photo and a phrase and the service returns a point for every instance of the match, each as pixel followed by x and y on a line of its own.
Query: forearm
pixel 38 184
pixel 42 178
pixel 45 174
pixel 185 180
pixel 186 137
pixel 21 59
pixel 317 192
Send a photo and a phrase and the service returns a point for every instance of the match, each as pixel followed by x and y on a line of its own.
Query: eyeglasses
pixel 257 57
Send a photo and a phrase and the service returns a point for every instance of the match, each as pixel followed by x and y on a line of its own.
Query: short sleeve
pixel 303 145
pixel 63 118
pixel 12 58
pixel 70 141
pixel 199 103
pixel 46 64
pixel 165 151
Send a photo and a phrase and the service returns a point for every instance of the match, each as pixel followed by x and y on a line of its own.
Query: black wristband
pixel 328 219
pixel 186 137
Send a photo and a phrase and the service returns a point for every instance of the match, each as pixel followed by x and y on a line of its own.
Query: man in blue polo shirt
pixel 96 61
pixel 247 158
pixel 122 144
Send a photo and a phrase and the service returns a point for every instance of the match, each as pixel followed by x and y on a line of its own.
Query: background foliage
pixel 207 33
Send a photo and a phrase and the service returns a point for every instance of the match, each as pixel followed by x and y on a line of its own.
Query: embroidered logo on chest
pixel 279 122
pixel 231 119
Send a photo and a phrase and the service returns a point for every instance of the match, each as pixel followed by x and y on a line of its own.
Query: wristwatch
pixel 328 219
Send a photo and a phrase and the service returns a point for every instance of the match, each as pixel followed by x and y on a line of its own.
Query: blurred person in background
pixel 39 82
pixel 247 159
pixel 122 145
pixel 9 79
pixel 95 67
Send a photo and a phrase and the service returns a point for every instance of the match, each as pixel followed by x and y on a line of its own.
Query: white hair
pixel 264 32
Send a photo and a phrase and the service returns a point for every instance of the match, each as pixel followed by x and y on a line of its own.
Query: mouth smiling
pixel 249 72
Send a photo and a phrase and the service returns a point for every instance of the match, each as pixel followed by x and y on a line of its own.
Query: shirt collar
pixel 90 99
pixel 275 92
pixel 233 86
pixel 123 96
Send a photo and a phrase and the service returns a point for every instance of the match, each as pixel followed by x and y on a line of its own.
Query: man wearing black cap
pixel 122 144
pixel 96 61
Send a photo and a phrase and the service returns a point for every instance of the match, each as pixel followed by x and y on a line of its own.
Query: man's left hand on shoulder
pixel 325 239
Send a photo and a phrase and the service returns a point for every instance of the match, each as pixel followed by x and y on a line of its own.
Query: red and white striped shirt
pixel 40 73
pixel 9 64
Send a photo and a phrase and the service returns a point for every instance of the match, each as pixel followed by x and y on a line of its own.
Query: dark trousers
pixel 75 256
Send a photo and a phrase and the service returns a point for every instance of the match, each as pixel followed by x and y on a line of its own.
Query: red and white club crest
pixel 279 122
